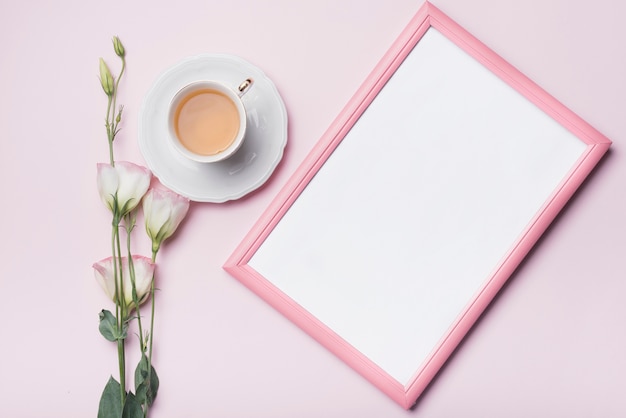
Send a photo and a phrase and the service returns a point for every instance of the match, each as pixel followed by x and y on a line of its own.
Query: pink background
pixel 553 343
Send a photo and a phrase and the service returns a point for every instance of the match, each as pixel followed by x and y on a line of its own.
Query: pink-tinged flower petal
pixel 104 271
pixel 163 210
pixel 180 206
pixel 156 212
pixel 134 181
pixel 108 182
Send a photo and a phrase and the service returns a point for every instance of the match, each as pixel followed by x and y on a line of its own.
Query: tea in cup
pixel 207 120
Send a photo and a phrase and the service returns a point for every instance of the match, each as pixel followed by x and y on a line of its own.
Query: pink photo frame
pixel 417 205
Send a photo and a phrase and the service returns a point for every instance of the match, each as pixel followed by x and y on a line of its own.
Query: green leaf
pixel 146 384
pixel 111 400
pixel 108 326
pixel 132 408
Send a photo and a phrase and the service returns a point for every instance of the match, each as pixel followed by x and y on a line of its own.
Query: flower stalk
pixel 129 280
pixel 110 85
pixel 121 315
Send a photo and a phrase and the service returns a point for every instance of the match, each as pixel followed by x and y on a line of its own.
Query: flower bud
pixel 106 79
pixel 118 118
pixel 118 47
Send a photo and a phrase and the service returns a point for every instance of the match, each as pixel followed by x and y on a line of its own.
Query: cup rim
pixel 222 87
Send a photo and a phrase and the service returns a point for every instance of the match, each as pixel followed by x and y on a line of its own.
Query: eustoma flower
pixel 163 211
pixel 122 186
pixel 129 281
pixel 143 271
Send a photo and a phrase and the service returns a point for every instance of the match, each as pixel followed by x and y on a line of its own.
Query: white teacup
pixel 207 120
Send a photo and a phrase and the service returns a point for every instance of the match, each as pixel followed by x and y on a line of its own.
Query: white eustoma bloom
pixel 122 186
pixel 143 267
pixel 163 212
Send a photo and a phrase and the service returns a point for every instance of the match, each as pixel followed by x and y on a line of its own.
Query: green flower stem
pixel 108 126
pixel 114 233
pixel 130 224
pixel 152 289
pixel 121 360
pixel 117 83
pixel 120 307
pixel 151 339
pixel 113 120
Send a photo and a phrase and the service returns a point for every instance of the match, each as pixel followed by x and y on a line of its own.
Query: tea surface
pixel 206 122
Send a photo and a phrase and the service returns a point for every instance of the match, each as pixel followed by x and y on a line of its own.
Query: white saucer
pixel 246 170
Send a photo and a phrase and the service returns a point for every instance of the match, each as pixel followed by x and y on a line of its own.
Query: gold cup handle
pixel 245 86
